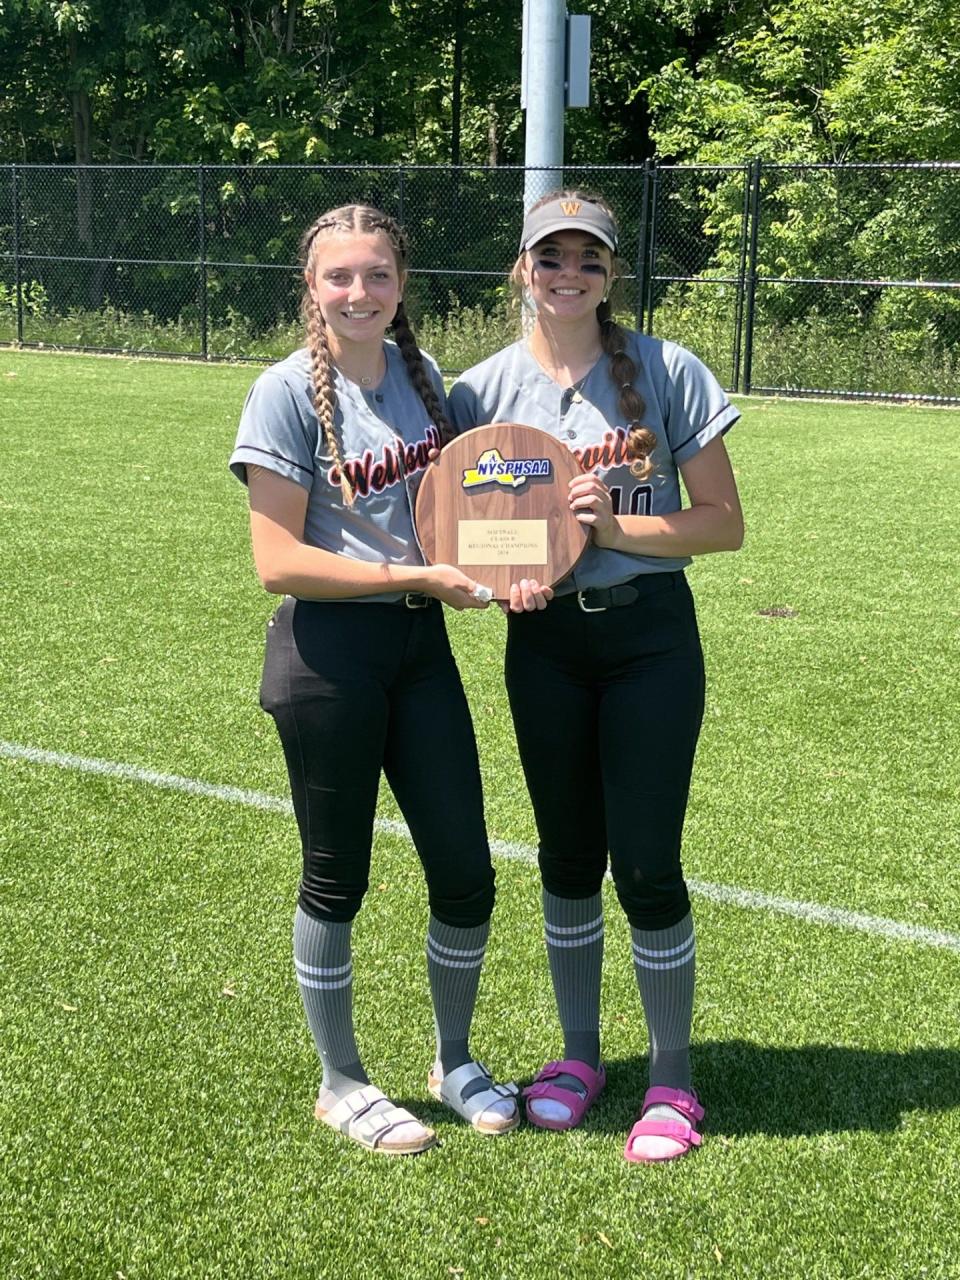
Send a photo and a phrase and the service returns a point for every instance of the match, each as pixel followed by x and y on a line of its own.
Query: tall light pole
pixel 543 94
pixel 556 75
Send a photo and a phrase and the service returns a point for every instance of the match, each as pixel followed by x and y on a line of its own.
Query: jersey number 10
pixel 641 500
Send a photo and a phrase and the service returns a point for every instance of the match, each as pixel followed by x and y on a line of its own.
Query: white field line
pixel 748 898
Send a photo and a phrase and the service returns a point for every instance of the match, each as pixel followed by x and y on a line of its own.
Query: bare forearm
pixel 312 573
pixel 692 532
pixel 287 565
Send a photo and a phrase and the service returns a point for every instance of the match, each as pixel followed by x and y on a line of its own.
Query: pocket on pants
pixel 274 658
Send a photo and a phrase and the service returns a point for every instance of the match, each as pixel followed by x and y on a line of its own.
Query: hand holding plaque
pixel 495 504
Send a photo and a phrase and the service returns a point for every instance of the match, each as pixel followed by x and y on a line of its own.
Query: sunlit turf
pixel 156 1076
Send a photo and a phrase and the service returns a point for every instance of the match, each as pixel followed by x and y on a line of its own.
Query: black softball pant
pixel 356 688
pixel 607 710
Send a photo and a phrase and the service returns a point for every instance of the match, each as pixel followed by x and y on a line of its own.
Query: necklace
pixel 364 379
pixel 359 378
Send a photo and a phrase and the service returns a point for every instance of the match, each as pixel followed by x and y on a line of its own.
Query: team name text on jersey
pixel 612 452
pixel 369 474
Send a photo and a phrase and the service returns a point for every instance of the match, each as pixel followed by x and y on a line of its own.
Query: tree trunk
pixel 492 138
pixel 83 155
pixel 238 47
pixel 82 119
pixel 291 26
pixel 457 83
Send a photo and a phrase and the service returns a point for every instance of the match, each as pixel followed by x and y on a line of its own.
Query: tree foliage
pixel 256 81
pixel 812 80
pixel 803 82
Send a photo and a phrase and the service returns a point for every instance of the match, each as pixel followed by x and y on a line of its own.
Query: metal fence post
pixel 741 278
pixel 755 168
pixel 642 247
pixel 401 192
pixel 17 276
pixel 653 234
pixel 202 252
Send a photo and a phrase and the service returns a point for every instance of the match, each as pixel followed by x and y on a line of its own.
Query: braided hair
pixel 359 219
pixel 623 370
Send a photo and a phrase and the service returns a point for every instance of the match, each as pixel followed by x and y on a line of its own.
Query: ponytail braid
pixel 641 441
pixel 417 373
pixel 324 396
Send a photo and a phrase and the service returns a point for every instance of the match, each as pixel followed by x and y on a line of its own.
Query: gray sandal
pixel 472 1093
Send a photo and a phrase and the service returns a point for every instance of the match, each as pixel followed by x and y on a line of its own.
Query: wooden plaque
pixel 495 504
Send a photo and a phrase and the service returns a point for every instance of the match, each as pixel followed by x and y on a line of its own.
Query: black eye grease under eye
pixel 588 268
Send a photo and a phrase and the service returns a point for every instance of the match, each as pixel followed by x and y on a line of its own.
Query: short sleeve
pixel 435 376
pixel 464 405
pixel 697 409
pixel 275 433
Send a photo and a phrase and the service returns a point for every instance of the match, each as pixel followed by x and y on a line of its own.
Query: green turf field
pixel 156 1077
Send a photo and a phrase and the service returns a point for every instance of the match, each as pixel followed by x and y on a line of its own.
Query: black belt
pixel 598 599
pixel 410 600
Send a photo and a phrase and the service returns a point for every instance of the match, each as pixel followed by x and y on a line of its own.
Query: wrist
pixel 408 577
pixel 611 538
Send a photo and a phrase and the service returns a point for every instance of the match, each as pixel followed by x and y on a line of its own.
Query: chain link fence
pixel 814 280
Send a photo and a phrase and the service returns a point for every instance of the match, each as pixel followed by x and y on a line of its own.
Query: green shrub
pixel 467 335
pixel 878 353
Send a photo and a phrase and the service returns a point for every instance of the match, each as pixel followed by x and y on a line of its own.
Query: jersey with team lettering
pixel 386 434
pixel 686 408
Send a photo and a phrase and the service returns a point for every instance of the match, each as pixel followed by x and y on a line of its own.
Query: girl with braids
pixel 606 682
pixel 358 674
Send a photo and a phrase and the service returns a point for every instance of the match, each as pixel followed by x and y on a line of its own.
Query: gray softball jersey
pixel 685 407
pixel 386 433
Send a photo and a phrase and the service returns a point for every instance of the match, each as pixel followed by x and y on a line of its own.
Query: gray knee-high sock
pixel 574 936
pixel 454 961
pixel 321 953
pixel 665 964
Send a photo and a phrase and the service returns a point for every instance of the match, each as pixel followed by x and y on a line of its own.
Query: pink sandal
pixel 577 1104
pixel 653 1140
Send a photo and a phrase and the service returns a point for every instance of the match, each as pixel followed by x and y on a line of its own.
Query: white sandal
pixel 482 1106
pixel 352 1116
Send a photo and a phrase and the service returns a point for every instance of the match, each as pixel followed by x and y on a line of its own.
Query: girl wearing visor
pixel 606 680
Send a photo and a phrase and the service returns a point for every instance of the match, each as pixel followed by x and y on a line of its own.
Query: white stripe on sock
pixel 667 964
pixel 667 951
pixel 325 986
pixel 573 928
pixel 453 951
pixel 329 973
pixel 452 964
pixel 575 942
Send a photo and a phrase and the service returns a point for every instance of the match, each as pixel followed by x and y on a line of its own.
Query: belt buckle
pixel 602 608
pixel 416 600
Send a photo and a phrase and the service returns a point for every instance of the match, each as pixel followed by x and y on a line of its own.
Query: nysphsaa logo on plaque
pixel 493 468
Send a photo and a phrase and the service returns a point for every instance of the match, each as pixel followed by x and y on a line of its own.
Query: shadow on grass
pixel 784 1092
pixel 818 1088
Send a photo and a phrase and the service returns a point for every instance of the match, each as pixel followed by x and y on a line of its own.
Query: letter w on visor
pixel 553 216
